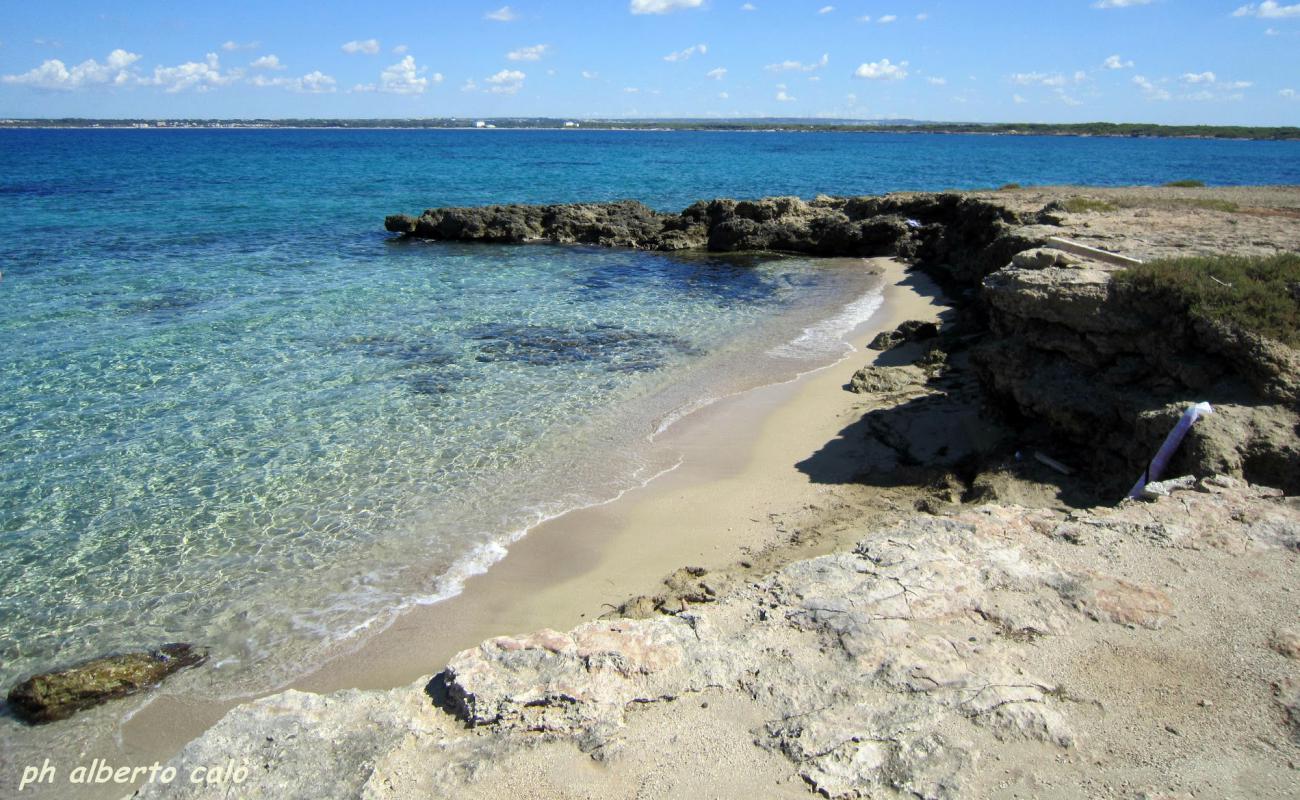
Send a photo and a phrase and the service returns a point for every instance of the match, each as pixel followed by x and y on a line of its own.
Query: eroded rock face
pixel 1101 371
pixel 58 695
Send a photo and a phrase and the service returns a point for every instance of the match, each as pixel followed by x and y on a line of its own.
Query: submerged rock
pixel 53 696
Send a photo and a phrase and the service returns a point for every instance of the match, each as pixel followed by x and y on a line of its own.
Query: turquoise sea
pixel 234 411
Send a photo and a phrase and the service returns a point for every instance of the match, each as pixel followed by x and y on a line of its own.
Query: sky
pixel 1164 61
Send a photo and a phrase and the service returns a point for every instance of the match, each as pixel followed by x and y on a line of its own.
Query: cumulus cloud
pixel 881 70
pixel 682 55
pixel 315 82
pixel 717 74
pixel 368 46
pixel 1269 9
pixel 799 66
pixel 271 61
pixel 502 14
pixel 783 97
pixel 888 18
pixel 1289 94
pixel 1198 77
pixel 661 6
pixel 198 75
pixel 531 53
pixel 507 81
pixel 1038 79
pixel 1115 62
pixel 54 74
pixel 231 46
pixel 404 77
pixel 1150 89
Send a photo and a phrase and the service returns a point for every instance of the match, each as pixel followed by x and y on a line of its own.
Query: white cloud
pixel 782 97
pixel 882 70
pixel 502 14
pixel 631 89
pixel 404 77
pixel 888 18
pixel 271 61
pixel 315 82
pixel 531 53
pixel 199 75
pixel 1119 3
pixel 799 66
pixel 1038 78
pixel 748 7
pixel 1289 94
pixel 1115 62
pixel 232 45
pixel 1269 9
pixel 507 81
pixel 682 55
pixel 1198 77
pixel 1018 100
pixel 825 9
pixel 368 46
pixel 922 17
pixel 591 76
pixel 865 18
pixel 1067 99
pixel 54 74
pixel 723 95
pixel 717 74
pixel 400 50
pixel 937 81
pixel 661 6
pixel 1150 89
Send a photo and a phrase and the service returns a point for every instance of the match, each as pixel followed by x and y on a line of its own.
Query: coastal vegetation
pixel 1256 294
pixel 1084 205
pixel 1109 129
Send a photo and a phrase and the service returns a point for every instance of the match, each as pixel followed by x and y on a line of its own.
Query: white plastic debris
pixel 1167 450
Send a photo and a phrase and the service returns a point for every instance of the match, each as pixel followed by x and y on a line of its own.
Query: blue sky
pixel 1170 61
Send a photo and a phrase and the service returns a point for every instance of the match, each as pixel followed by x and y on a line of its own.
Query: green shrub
pixel 1080 205
pixel 1260 294
pixel 1006 187
pixel 1186 184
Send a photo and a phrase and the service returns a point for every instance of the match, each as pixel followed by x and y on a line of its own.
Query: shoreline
pixel 714 509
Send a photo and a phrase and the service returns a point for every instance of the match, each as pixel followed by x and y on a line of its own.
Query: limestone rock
pixel 887 380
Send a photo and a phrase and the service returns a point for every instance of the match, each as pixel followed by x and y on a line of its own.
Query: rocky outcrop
pixel 1091 366
pixel 929 660
pixel 963 238
pixel 58 695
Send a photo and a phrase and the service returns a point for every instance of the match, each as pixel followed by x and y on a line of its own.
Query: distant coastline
pixel 1086 129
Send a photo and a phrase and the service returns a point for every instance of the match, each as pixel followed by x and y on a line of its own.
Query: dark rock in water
pixel 965 237
pixel 58 695
pixel 617 349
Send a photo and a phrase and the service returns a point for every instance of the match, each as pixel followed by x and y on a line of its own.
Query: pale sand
pixel 738 491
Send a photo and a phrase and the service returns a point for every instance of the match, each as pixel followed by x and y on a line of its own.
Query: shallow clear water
pixel 234 411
